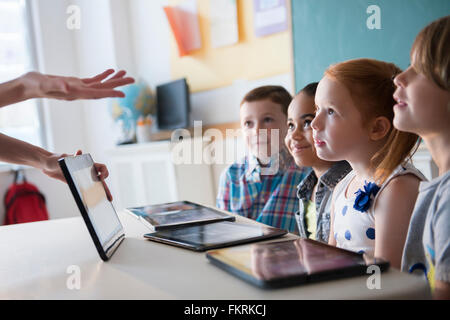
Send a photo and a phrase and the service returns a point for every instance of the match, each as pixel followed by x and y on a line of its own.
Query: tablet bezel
pixel 69 164
pixel 290 281
pixel 271 233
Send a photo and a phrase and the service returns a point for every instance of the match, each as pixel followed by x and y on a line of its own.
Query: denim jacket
pixel 327 182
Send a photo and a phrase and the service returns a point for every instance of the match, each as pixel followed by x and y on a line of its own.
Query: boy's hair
pixel 371 86
pixel 310 89
pixel 276 94
pixel 430 53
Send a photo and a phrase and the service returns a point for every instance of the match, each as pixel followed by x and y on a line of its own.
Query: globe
pixel 139 101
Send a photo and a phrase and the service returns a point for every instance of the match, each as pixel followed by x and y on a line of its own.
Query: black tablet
pixel 288 263
pixel 97 211
pixel 176 214
pixel 215 235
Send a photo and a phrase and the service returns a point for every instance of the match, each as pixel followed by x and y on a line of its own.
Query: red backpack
pixel 24 203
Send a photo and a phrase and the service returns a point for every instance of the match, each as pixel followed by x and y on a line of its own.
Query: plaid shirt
pixel 246 189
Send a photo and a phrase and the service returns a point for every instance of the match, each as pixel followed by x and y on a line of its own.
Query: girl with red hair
pixel 372 205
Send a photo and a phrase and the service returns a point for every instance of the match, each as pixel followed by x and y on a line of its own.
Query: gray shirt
pixel 427 247
pixel 326 184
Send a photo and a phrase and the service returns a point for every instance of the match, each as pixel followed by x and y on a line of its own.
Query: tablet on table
pixel 293 262
pixel 215 235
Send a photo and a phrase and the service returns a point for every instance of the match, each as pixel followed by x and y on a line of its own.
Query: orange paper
pixel 183 21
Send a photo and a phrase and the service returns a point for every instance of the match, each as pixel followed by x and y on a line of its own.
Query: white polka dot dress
pixel 355 230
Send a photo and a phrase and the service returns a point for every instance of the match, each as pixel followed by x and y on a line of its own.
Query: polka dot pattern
pixel 348 235
pixel 370 233
pixel 356 230
pixel 344 210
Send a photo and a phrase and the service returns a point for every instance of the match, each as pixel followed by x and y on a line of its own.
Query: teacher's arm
pixel 20 152
pixel 38 85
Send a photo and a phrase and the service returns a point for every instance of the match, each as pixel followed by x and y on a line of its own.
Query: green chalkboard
pixel 329 31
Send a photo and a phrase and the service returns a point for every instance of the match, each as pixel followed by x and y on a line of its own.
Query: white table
pixel 36 259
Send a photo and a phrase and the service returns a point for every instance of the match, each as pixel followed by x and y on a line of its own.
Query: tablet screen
pixel 287 259
pixel 100 210
pixel 89 193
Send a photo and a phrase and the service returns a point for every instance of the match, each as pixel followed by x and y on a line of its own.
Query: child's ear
pixel 379 128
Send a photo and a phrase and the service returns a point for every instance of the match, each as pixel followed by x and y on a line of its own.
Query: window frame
pixel 31 28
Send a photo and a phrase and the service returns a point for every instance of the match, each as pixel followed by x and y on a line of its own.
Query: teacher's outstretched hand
pixel 38 85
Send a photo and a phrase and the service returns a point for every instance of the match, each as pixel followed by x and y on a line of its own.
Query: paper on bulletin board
pixel 271 16
pixel 183 21
pixel 250 59
pixel 223 22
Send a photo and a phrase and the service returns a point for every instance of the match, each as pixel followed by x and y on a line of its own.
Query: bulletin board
pixel 325 32
pixel 249 59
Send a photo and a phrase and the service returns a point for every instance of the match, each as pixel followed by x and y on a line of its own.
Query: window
pixel 22 120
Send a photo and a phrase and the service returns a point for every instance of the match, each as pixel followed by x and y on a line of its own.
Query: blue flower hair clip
pixel 364 198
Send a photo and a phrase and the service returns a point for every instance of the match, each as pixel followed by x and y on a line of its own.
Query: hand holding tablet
pixel 53 170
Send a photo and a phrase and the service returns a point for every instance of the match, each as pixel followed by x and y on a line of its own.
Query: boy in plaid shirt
pixel 262 186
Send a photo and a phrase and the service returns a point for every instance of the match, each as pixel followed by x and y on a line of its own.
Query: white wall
pixel 57 55
pixel 96 52
pixel 150 40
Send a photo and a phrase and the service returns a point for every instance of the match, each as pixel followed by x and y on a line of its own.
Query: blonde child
pixel 372 205
pixel 423 107
pixel 314 192
pixel 262 185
